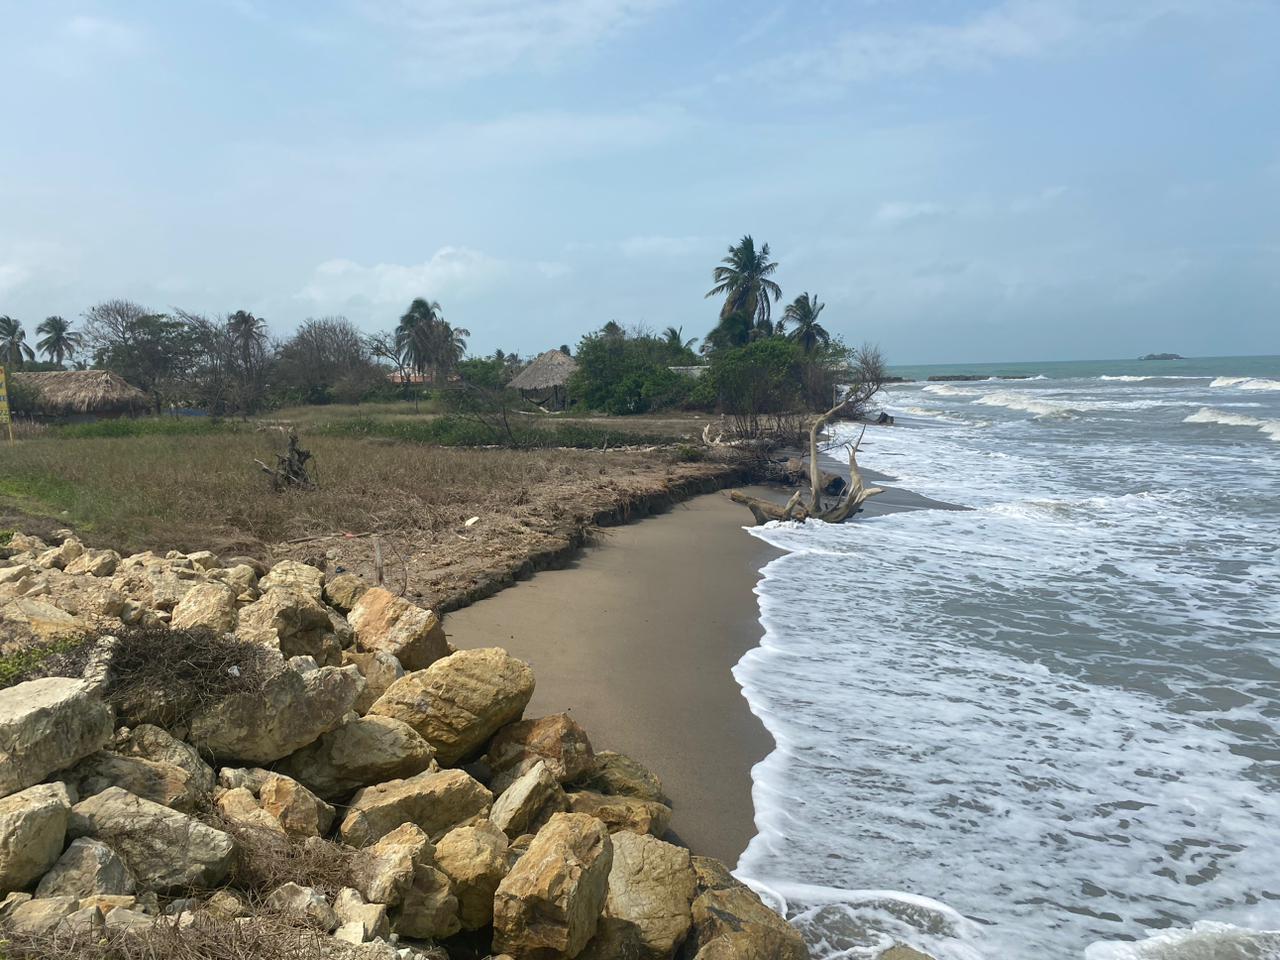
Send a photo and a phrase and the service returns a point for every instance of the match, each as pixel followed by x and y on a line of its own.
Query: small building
pixel 546 380
pixel 82 394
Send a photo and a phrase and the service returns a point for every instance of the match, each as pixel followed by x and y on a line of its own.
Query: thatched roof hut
pixel 69 393
pixel 546 379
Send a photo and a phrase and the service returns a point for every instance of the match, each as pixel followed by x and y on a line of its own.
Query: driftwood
pixel 291 469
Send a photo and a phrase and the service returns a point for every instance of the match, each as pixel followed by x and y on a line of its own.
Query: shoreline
pixel 637 638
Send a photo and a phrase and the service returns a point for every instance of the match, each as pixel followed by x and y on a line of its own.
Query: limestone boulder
pixel 384 871
pixel 475 860
pixel 33 827
pixel 617 774
pixel 156 780
pixel 167 848
pixel 210 605
pixel 58 557
pixel 380 671
pixel 372 918
pixel 294 900
pixel 343 591
pixel 292 710
pixel 47 725
pixel 429 910
pixel 295 623
pixel 434 801
pixel 41 917
pixel 623 813
pixel 297 576
pixel 458 703
pixel 240 577
pixel 250 778
pixel 42 619
pixel 94 563
pixel 88 868
pixel 360 752
pixel 243 808
pixel 390 624
pixel 150 742
pixel 731 923
pixel 529 802
pixel 548 907
pixel 300 812
pixel 558 741
pixel 648 912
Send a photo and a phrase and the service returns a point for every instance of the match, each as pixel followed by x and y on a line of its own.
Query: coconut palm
pixel 248 335
pixel 454 342
pixel 418 331
pixel 674 337
pixel 59 342
pixel 802 313
pixel 743 280
pixel 13 343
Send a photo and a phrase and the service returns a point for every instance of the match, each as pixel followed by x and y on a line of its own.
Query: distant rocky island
pixel 1163 356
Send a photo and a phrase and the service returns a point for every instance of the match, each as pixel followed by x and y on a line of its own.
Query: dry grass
pixel 265 860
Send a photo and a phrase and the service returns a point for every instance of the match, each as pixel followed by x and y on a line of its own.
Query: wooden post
pixel 377 559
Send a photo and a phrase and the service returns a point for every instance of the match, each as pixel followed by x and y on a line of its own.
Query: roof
pixel 83 391
pixel 550 369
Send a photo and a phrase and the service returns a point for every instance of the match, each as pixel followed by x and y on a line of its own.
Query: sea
pixel 1046 726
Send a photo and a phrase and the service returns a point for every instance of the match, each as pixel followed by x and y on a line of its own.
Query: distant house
pixel 82 394
pixel 546 380
pixel 694 372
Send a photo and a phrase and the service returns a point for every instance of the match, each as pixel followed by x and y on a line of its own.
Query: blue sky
pixel 957 179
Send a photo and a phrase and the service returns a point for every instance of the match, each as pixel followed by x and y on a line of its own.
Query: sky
pixel 958 180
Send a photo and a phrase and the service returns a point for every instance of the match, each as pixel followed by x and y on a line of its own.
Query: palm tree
pixel 674 337
pixel 417 333
pixel 13 343
pixel 59 340
pixel 802 314
pixel 743 280
pixel 248 335
pixel 455 345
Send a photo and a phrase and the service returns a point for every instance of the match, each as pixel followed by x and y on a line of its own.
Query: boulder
pixel 383 872
pixel 306 902
pixel 227 904
pixel 623 813
pixel 250 778
pixel 343 591
pixel 94 563
pixel 295 575
pixel 648 911
pixel 475 860
pixel 351 908
pixel 556 740
pixel 292 622
pixel 47 725
pixel 459 702
pixel 88 868
pixel 153 743
pixel 731 923
pixel 170 850
pixel 429 910
pixel 300 812
pixel 435 801
pixel 156 780
pixel 240 577
pixel 619 775
pixel 290 711
pixel 529 802
pixel 33 827
pixel 39 918
pixel 380 671
pixel 58 557
pixel 211 605
pixel 362 751
pixel 548 906
pixel 20 542
pixel 42 619
pixel 382 621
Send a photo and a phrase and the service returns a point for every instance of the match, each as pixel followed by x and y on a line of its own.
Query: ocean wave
pixel 1203 941
pixel 946 390
pixel 1210 415
pixel 1247 383
pixel 1026 403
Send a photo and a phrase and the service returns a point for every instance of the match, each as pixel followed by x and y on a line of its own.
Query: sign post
pixel 5 417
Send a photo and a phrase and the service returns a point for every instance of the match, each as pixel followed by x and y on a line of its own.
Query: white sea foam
pixel 1028 403
pixel 1203 941
pixel 1247 383
pixel 946 390
pixel 1209 415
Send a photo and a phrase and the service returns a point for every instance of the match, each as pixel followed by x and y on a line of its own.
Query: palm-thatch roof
pixel 67 392
pixel 549 370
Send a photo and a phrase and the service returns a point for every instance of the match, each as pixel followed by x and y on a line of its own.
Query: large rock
pixel 292 709
pixel 731 923
pixel 294 575
pixel 89 868
pixel 623 813
pixel 383 872
pixel 557 740
pixel 46 725
pixel 40 918
pixel 157 780
pixel 167 849
pixel 619 775
pixel 292 622
pixel 364 750
pixel 210 605
pixel 33 826
pixel 351 907
pixel 437 802
pixel 529 802
pixel 548 906
pixel 153 743
pixel 459 702
pixel 429 910
pixel 380 671
pixel 648 911
pixel 95 563
pixel 343 591
pixel 475 860
pixel 42 619
pixel 300 812
pixel 307 903
pixel 391 624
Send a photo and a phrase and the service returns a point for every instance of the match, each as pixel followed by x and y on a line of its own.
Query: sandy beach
pixel 637 638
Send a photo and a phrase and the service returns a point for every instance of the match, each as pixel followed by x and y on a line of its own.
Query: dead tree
pixel 291 470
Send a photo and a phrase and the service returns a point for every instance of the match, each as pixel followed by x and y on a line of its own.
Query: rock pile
pixel 371 783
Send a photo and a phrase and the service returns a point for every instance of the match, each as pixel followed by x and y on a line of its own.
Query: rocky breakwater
pixel 206 749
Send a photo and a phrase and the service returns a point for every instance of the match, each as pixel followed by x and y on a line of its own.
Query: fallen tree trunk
pixel 766 510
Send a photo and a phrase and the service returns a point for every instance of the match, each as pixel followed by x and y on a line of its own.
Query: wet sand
pixel 637 638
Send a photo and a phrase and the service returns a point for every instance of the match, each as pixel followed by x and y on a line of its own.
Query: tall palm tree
pixel 802 313
pixel 674 337
pixel 59 340
pixel 13 343
pixel 743 280
pixel 455 345
pixel 418 332
pixel 248 335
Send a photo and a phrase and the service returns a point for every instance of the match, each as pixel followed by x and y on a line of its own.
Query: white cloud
pixel 902 211
pixel 451 38
pixel 451 272
pixel 12 276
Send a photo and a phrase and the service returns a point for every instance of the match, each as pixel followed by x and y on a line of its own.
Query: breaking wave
pixel 1247 383
pixel 1209 415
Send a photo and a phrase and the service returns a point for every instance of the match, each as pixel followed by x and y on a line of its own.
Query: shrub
pixel 758 383
pixel 621 374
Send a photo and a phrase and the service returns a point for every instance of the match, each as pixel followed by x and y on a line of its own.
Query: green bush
pixel 758 382
pixel 622 374
pixel 146 427
pixel 454 431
